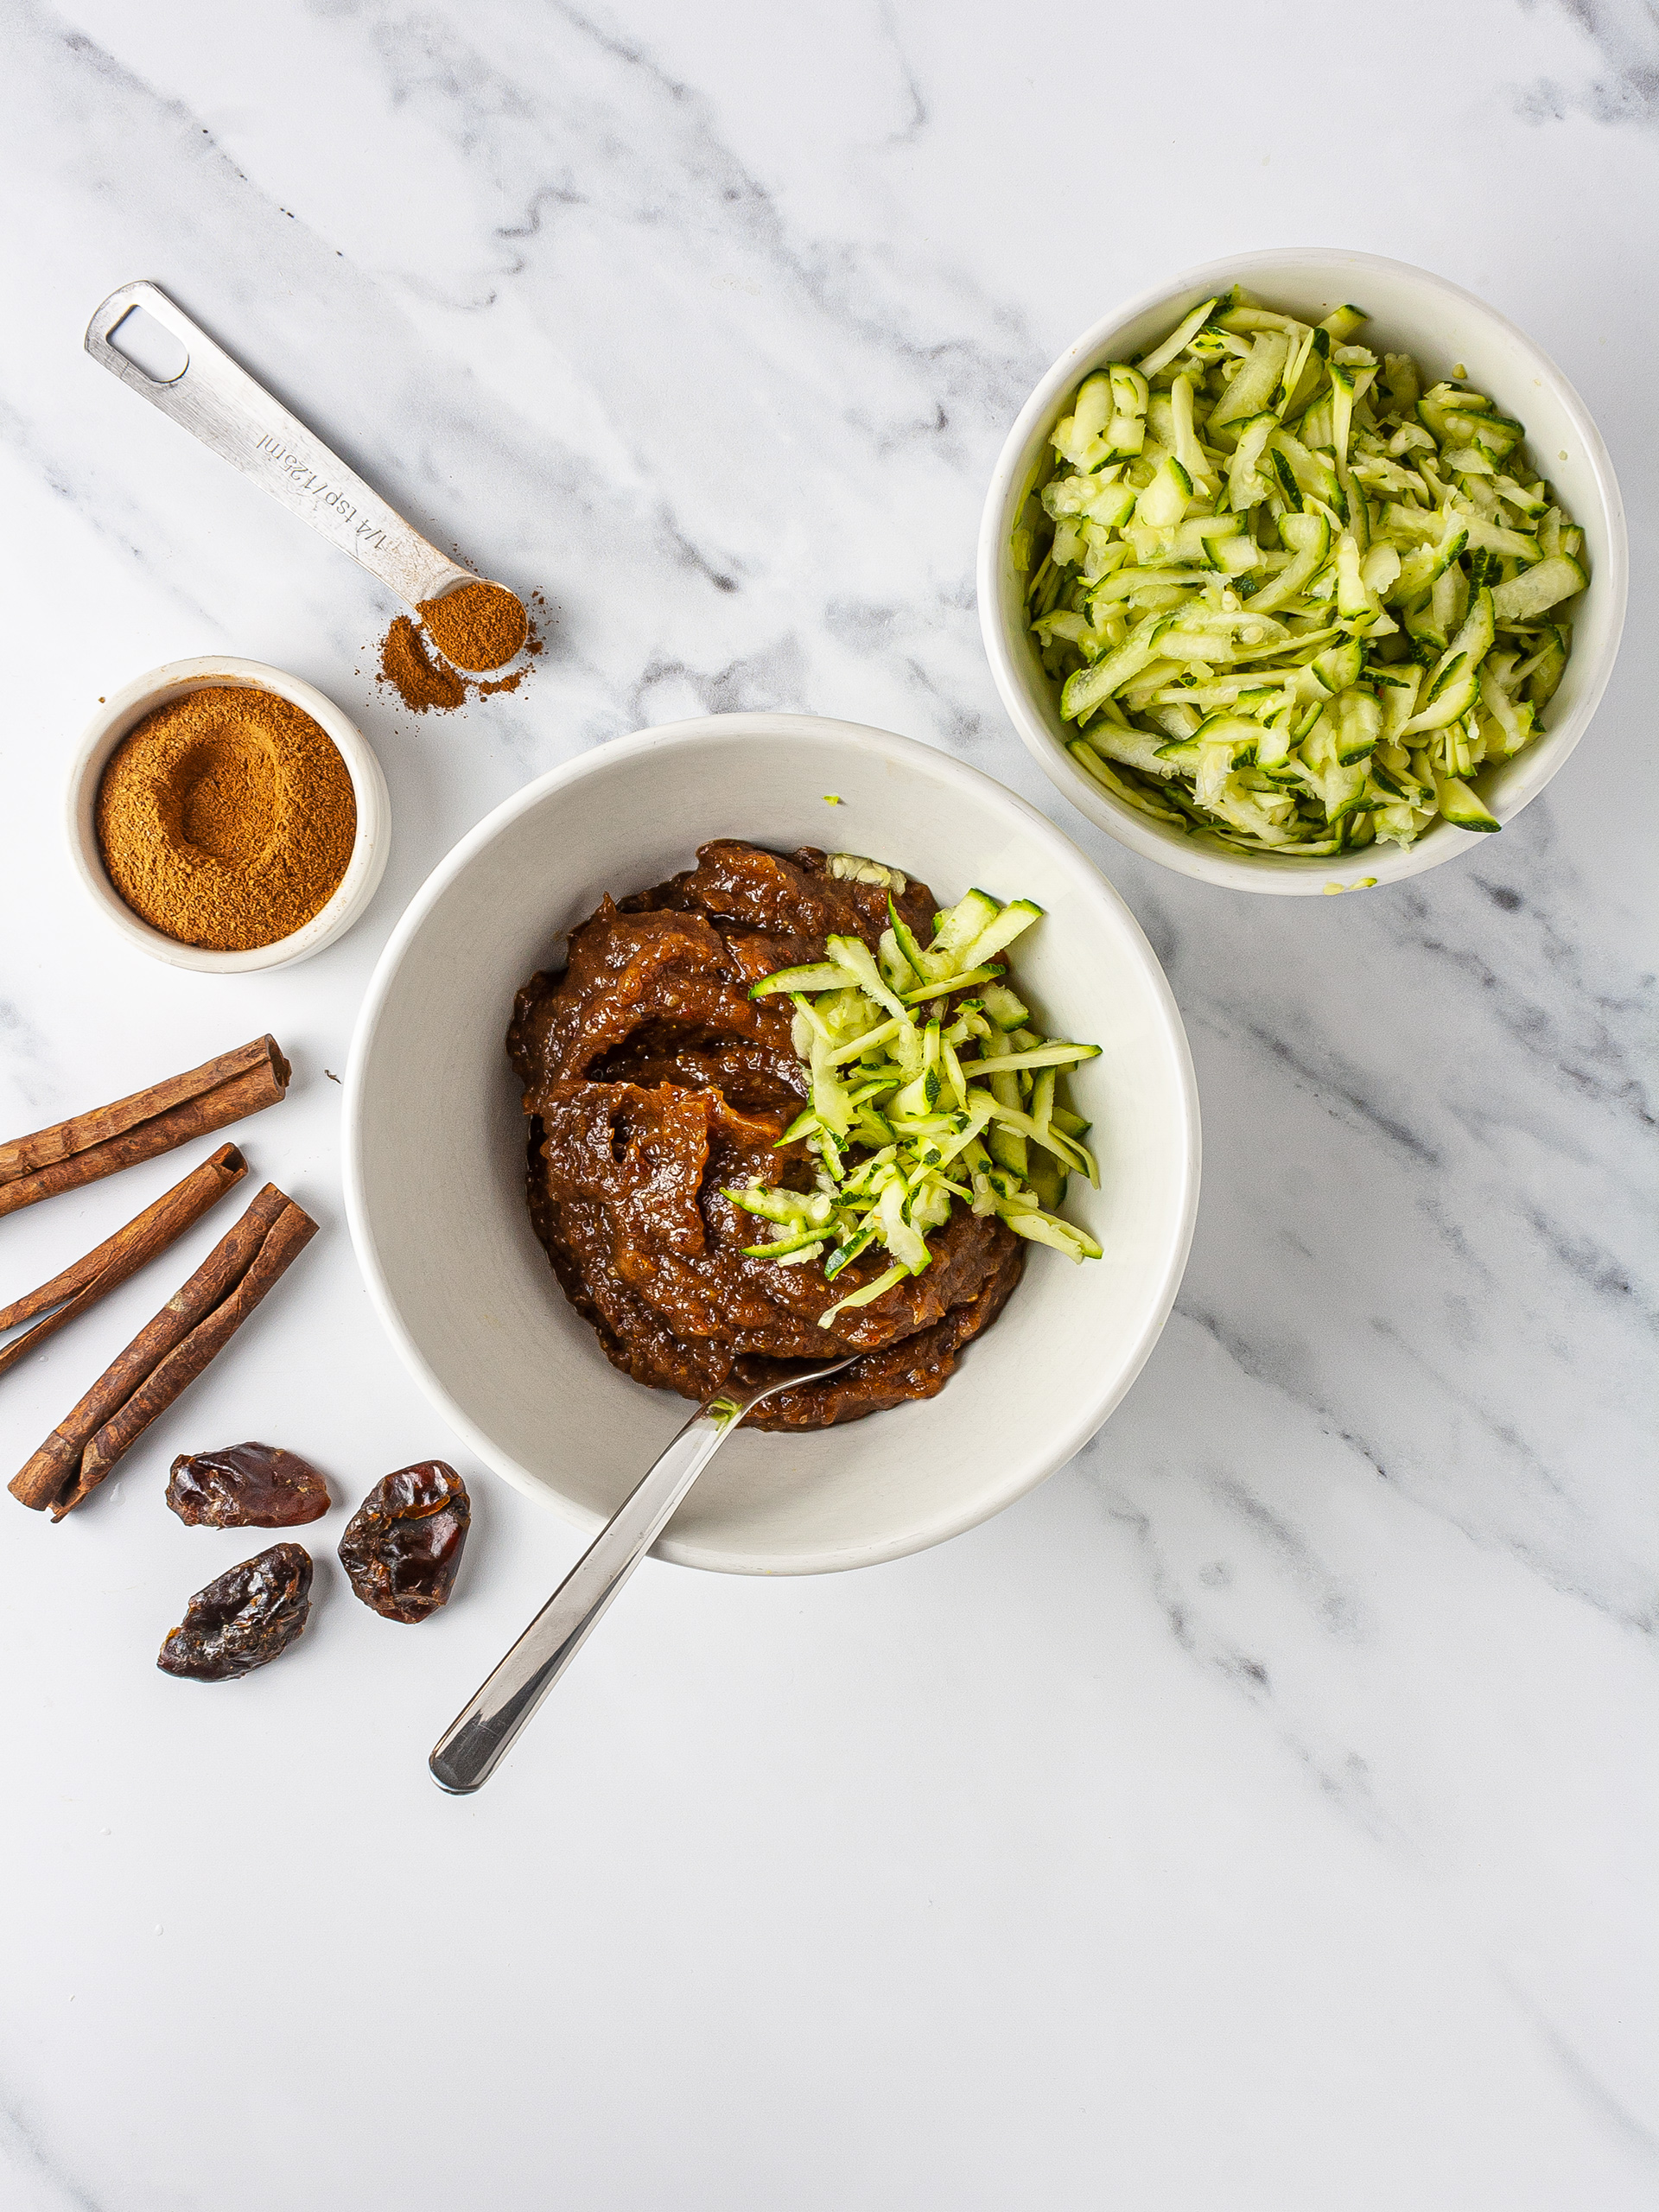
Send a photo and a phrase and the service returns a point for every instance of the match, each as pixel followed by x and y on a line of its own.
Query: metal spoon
pixel 465 1754
pixel 217 400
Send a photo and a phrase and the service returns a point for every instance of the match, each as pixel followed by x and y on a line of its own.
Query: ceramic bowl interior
pixel 1410 311
pixel 435 1145
pixel 160 688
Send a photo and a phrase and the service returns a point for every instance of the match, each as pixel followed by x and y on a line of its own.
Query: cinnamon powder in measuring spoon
pixel 479 628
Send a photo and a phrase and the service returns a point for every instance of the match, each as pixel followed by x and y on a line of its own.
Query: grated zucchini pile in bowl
pixel 926 1086
pixel 1292 601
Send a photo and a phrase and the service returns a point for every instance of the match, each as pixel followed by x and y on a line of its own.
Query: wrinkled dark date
pixel 246 1486
pixel 402 1546
pixel 244 1619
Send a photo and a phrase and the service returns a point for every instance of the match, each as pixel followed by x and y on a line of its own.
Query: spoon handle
pixel 466 1752
pixel 217 400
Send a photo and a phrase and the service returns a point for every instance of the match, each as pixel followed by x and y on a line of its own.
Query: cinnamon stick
pixel 143 1238
pixel 76 1152
pixel 54 1467
pixel 290 1232
pixel 196 1322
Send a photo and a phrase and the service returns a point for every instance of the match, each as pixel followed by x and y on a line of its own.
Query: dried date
pixel 402 1547
pixel 246 1486
pixel 244 1619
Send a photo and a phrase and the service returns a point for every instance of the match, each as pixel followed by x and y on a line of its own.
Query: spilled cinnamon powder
pixel 419 680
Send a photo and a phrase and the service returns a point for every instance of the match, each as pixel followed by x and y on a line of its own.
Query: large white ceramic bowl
pixel 1410 311
pixel 175 679
pixel 435 1145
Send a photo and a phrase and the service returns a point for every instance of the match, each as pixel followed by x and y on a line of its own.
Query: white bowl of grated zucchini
pixel 434 1136
pixel 1305 572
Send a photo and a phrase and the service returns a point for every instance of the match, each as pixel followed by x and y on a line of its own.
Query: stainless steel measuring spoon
pixel 217 400
pixel 466 1753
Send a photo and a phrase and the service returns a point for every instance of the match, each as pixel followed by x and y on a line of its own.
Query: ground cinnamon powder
pixel 227 819
pixel 423 680
pixel 419 681
pixel 481 627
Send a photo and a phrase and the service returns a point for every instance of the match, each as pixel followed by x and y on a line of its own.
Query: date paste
pixel 653 1082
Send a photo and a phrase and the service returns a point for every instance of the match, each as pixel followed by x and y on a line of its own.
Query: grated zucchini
pixel 919 1060
pixel 1292 599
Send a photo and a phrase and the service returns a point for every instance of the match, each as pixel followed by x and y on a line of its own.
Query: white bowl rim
pixel 1441 842
pixel 1027 1473
pixel 125 709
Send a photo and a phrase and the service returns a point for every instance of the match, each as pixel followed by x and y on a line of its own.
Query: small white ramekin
pixel 126 710
pixel 1411 311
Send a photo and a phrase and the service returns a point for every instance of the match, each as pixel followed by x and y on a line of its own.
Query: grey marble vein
pixel 1624 35
pixel 36 2177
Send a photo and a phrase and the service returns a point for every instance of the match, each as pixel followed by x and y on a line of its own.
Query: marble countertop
pixel 1259 1813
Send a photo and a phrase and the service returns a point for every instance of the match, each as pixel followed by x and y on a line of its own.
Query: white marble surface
pixel 1261 1813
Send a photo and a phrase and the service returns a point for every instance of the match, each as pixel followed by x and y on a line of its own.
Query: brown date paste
pixel 654 1081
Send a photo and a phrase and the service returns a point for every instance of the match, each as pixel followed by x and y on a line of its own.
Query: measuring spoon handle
pixel 217 400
